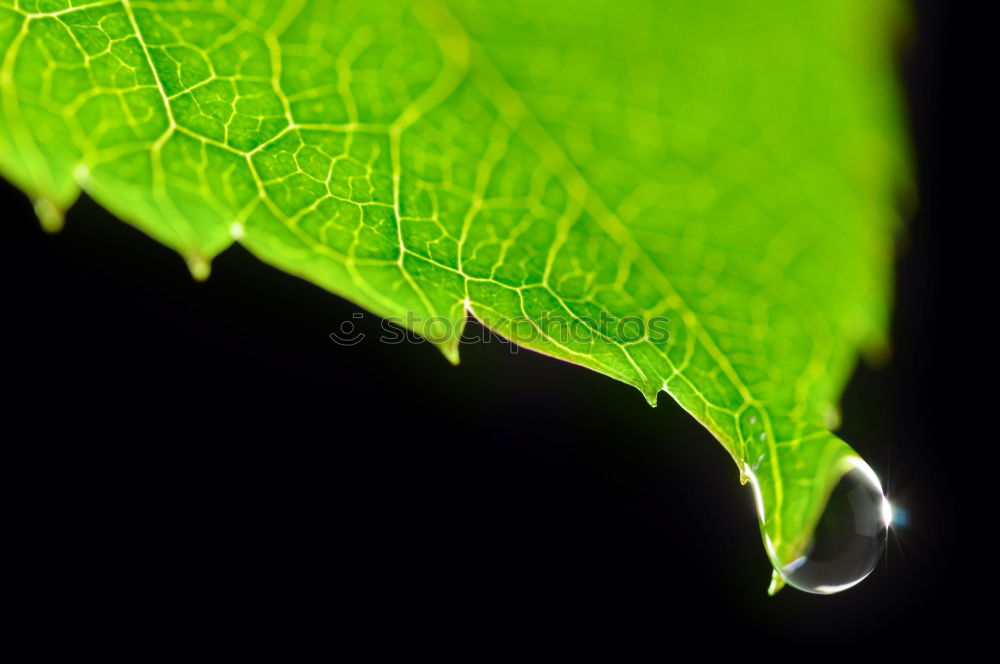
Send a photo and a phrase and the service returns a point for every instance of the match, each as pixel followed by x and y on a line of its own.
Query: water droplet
pixel 849 538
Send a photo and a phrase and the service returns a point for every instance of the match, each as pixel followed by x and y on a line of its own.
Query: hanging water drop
pixel 849 538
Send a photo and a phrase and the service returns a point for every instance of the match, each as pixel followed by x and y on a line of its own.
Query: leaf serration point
pixel 199 266
pixel 50 216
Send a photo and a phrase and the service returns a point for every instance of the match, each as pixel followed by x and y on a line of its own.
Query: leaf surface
pixel 692 197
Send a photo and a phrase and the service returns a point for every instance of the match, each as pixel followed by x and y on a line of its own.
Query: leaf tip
pixel 777 583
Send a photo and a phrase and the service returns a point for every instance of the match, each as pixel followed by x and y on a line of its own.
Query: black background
pixel 199 455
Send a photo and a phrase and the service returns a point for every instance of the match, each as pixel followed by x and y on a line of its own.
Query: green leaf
pixel 692 197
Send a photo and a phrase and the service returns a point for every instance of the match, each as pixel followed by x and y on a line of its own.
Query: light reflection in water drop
pixel 849 538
